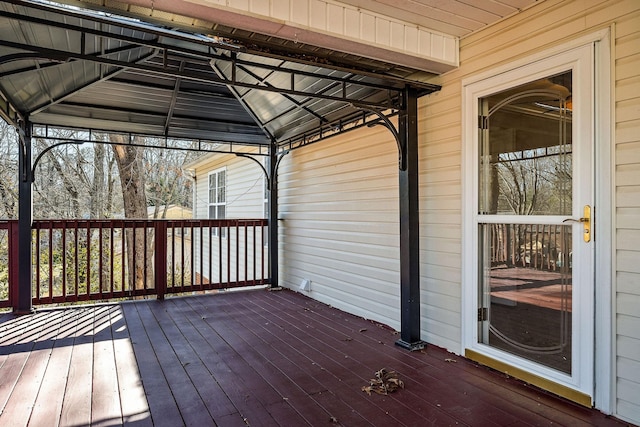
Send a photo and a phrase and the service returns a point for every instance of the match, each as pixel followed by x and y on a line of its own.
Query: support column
pixel 409 224
pixel 273 215
pixel 22 302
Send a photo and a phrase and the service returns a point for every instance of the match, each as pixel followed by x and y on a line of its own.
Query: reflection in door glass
pixel 525 149
pixel 525 169
pixel 526 304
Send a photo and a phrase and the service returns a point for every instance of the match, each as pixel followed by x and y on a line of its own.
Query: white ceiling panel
pixel 454 17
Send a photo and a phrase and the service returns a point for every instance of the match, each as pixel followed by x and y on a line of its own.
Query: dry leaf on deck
pixel 385 382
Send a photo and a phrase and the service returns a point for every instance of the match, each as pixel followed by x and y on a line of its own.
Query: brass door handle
pixel 585 221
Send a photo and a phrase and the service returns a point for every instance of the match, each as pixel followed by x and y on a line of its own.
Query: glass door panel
pixel 525 250
pixel 527 288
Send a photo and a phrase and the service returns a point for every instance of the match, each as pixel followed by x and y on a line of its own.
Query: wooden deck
pixel 245 358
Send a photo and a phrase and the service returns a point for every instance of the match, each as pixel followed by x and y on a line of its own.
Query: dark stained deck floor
pixel 245 358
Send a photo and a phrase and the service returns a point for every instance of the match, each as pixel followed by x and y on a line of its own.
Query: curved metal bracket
pixel 280 156
pixel 251 157
pixel 267 174
pixel 26 173
pixel 384 121
pixel 45 151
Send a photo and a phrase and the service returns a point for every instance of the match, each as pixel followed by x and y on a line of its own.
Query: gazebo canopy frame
pixel 66 67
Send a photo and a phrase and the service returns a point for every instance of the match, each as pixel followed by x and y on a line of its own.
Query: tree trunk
pixel 97 208
pixel 132 179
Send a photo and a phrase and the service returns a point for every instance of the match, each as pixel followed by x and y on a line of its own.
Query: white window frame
pixel 216 203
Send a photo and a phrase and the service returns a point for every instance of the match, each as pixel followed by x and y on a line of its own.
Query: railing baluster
pixel 145 263
pixel 71 265
pixel 88 275
pixel 75 261
pixel 111 258
pixel 173 255
pixel 219 254
pixel 51 261
pixel 37 262
pixel 237 252
pixel 13 263
pixel 200 255
pixel 253 235
pixel 123 259
pixel 63 233
pixel 210 240
pixel 160 232
pixel 100 259
pixel 246 261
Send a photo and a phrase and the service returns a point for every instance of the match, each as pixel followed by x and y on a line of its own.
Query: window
pixel 218 197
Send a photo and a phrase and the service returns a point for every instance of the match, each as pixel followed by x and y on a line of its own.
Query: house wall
pixel 627 218
pixel 339 198
pixel 244 200
pixel 339 223
pixel 244 187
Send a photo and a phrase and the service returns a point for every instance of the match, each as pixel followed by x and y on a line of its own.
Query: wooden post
pixel 160 273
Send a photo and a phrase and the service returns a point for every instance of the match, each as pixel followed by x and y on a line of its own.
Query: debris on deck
pixel 385 382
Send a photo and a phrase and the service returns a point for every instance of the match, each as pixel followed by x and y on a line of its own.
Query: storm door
pixel 534 226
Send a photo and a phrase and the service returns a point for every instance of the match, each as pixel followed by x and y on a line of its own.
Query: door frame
pixel 601 342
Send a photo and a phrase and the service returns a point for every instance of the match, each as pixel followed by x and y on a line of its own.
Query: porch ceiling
pixel 62 66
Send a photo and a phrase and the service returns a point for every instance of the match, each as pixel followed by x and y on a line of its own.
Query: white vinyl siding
pixel 548 24
pixel 244 195
pixel 339 229
pixel 627 194
pixel 440 219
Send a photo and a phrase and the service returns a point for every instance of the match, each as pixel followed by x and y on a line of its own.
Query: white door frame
pixel 602 354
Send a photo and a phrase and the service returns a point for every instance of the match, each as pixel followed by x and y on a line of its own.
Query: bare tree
pixel 8 171
pixel 129 159
pixel 166 182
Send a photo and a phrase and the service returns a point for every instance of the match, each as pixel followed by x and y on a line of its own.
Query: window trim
pixel 217 172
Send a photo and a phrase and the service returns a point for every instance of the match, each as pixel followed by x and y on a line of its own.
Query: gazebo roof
pixel 65 67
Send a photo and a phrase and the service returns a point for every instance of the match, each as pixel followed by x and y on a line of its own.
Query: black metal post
pixel 273 215
pixel 409 224
pixel 22 303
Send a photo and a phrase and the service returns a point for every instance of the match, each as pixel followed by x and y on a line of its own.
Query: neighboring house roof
pixel 169 212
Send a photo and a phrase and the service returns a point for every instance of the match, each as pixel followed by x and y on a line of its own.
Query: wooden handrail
pixel 82 260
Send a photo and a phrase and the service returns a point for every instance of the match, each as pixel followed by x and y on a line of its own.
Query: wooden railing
pixel 82 260
pixel 538 246
pixel 8 263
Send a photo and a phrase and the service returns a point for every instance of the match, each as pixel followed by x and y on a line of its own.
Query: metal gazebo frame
pixel 64 67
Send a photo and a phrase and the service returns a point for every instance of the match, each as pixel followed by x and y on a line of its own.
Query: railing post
pixel 160 258
pixel 14 265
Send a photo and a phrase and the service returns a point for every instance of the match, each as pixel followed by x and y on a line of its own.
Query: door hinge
pixel 483 122
pixel 483 315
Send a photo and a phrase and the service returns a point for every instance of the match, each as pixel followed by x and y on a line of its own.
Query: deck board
pixel 163 410
pixel 76 405
pixel 105 398
pixel 133 402
pixel 246 359
pixel 19 405
pixel 48 403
